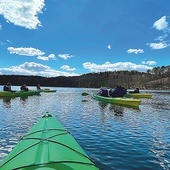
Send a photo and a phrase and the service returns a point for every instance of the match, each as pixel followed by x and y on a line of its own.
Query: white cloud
pixel 107 66
pixel 50 57
pixel 32 68
pixel 8 41
pixel 5 43
pixel 25 51
pixel 0 26
pixel 67 68
pixel 65 56
pixel 149 62
pixel 23 13
pixel 43 58
pixel 136 51
pixel 158 46
pixel 31 52
pixel 161 38
pixel 2 43
pixel 161 24
pixel 109 47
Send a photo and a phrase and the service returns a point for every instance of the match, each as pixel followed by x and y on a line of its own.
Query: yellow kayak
pixel 138 95
pixel 47 90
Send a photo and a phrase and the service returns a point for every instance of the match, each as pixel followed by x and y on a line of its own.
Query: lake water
pixel 114 137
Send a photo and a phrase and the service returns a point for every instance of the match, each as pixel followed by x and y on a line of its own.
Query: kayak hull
pixel 47 90
pixel 138 95
pixel 48 145
pixel 118 100
pixel 19 93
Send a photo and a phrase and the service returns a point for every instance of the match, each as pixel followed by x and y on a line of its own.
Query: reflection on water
pixel 6 102
pixel 117 110
pixel 160 154
pixel 115 137
pixel 24 98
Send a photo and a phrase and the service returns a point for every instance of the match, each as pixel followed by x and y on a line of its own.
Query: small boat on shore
pixel 19 93
pixel 48 146
pixel 117 100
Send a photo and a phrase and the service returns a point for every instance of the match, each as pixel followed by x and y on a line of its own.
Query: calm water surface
pixel 114 137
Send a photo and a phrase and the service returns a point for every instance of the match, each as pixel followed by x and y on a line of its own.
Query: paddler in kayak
pixel 135 91
pixel 24 87
pixel 118 91
pixel 7 87
pixel 38 87
pixel 104 91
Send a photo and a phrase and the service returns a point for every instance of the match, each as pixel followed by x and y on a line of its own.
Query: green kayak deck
pixel 47 146
pixel 19 93
pixel 118 100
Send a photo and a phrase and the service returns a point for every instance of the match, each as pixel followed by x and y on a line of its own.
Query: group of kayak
pixel 120 96
pixel 49 146
pixel 118 91
pixel 24 91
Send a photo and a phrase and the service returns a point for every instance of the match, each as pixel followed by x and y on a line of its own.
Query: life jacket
pixel 5 88
pixel 104 92
pixel 38 87
pixel 24 88
pixel 118 92
pixel 136 91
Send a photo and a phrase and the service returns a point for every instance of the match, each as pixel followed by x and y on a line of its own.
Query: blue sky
pixel 74 37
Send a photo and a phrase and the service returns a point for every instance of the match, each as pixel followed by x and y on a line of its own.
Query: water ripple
pixel 114 137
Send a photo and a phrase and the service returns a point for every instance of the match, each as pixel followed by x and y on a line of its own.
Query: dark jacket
pixel 7 88
pixel 118 92
pixel 104 92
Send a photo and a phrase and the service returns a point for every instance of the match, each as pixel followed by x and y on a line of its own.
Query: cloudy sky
pixel 74 37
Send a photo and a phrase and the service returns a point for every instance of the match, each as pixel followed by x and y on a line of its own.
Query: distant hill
pixel 157 78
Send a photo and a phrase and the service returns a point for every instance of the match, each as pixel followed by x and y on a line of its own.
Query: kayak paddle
pixel 85 94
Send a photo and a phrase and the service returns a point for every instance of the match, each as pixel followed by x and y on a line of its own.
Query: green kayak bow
pixel 47 146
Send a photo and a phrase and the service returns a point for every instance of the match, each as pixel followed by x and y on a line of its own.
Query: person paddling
pixel 24 87
pixel 7 87
pixel 118 91
pixel 38 87
pixel 135 91
pixel 104 91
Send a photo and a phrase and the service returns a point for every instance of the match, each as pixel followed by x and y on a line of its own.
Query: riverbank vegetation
pixel 157 78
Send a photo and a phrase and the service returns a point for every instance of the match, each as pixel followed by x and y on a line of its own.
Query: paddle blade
pixel 84 94
pixel 103 84
pixel 128 95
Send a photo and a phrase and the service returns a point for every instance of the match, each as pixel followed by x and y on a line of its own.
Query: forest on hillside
pixel 156 78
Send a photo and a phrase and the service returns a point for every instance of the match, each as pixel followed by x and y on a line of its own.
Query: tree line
pixel 156 78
